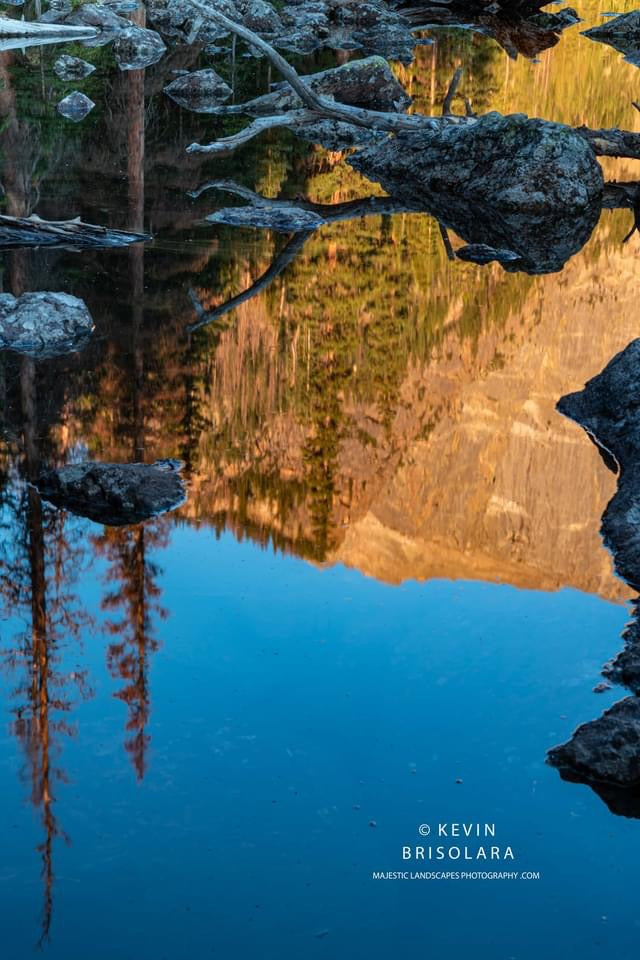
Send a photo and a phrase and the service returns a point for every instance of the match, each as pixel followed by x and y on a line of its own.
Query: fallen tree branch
pixel 612 142
pixel 286 256
pixel 34 232
pixel 227 145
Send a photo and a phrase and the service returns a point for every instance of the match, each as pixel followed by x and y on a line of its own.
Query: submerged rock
pixel 76 106
pixel 201 91
pixel 72 68
pixel 115 494
pixel 43 325
pixel 136 48
pixel 512 163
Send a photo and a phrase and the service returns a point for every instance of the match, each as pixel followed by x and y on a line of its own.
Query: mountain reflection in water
pixel 377 406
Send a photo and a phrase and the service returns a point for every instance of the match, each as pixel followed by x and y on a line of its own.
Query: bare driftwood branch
pixel 286 256
pixel 34 232
pixel 226 145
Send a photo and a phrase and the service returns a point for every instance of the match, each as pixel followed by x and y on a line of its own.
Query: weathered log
pixel 612 142
pixel 34 232
pixel 30 29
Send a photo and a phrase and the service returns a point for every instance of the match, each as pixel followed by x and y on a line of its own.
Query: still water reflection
pixel 219 723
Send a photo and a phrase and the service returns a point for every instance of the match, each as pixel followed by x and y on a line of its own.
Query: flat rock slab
pixel 201 91
pixel 115 494
pixel 284 218
pixel 41 325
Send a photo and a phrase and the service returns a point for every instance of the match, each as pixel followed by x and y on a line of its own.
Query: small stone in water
pixel 72 68
pixel 602 687
pixel 372 823
pixel 76 106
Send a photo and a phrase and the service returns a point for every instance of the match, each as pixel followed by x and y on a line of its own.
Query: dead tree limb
pixel 227 145
pixel 451 92
pixel 286 256
pixel 31 231
pixel 612 142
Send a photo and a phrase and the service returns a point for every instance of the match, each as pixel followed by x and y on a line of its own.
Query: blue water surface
pixel 303 722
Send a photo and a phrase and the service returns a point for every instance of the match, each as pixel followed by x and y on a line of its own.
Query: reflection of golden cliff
pixel 470 472
pixel 504 488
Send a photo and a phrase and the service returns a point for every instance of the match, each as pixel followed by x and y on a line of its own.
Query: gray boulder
pixel 261 17
pixel 115 494
pixel 201 91
pixel 136 48
pixel 511 163
pixel 76 106
pixel 43 325
pixel 72 68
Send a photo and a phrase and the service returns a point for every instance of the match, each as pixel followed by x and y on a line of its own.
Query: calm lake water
pixel 385 597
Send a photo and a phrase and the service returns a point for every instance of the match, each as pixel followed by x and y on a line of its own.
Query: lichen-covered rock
pixel 512 163
pixel 43 325
pixel 76 106
pixel 115 494
pixel 72 68
pixel 136 48
pixel 178 19
pixel 261 17
pixel 283 218
pixel 369 83
pixel 201 91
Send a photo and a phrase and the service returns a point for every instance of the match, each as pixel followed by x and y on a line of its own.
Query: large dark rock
pixel 511 163
pixel 201 91
pixel 608 408
pixel 605 754
pixel 368 83
pixel 115 494
pixel 43 325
